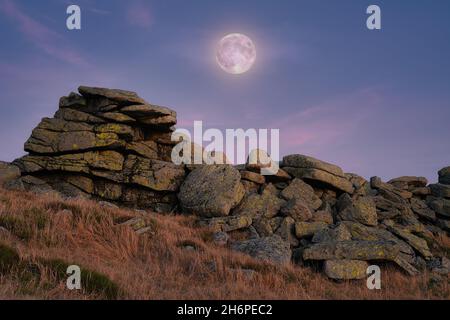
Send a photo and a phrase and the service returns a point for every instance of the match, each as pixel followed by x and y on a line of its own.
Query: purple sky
pixel 373 102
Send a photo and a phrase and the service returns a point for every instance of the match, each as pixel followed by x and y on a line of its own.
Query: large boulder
pixel 317 171
pixel 211 190
pixel 440 190
pixel 270 249
pixel 444 175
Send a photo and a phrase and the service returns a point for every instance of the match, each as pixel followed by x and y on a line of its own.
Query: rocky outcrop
pixel 107 144
pixel 113 146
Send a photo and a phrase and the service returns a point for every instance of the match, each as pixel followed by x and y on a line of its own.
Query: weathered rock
pixel 443 224
pixel 227 224
pixel 417 243
pixel 444 175
pixel 317 171
pixel 302 191
pixel 322 216
pixel 79 162
pixel 211 191
pixel 250 187
pixel 252 176
pixel 267 204
pixel 361 210
pixel 361 185
pixel 360 232
pixel 420 208
pixel 424 191
pixel 407 182
pixel 271 249
pixel 297 210
pixel 280 176
pixel 353 250
pixel 440 206
pixel 8 173
pixel 121 96
pixel 59 136
pixel 345 269
pixel 117 117
pixel 308 229
pixel 338 233
pixel 286 231
pixel 154 174
pixel 440 190
pixel 68 114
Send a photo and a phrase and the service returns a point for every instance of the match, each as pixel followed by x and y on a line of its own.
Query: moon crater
pixel 236 53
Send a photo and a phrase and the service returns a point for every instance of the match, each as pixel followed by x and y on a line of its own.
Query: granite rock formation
pixel 113 146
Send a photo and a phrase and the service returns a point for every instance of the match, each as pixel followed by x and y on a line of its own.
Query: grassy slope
pixel 47 233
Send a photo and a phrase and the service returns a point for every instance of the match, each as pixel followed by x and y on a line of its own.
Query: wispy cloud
pixel 139 14
pixel 321 126
pixel 41 36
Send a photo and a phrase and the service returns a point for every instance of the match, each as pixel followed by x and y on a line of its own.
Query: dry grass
pixel 48 233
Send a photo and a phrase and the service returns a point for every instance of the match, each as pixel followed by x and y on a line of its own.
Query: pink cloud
pixel 139 14
pixel 41 36
pixel 320 127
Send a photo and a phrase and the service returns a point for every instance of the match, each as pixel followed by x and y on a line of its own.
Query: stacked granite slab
pixel 108 144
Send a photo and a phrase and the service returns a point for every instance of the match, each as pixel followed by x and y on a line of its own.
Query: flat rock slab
pixel 120 96
pixel 346 269
pixel 321 177
pixel 272 249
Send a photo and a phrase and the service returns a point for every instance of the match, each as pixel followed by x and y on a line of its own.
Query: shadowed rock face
pixel 112 145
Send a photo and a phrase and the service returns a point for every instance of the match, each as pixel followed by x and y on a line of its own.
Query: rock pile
pixel 113 146
pixel 107 144
pixel 313 211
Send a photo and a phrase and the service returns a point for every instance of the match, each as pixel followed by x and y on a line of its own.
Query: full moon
pixel 236 53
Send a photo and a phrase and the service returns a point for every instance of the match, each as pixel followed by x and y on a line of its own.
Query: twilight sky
pixel 373 102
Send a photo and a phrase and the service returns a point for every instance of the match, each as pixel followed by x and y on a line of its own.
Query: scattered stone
pixel 220 238
pixel 409 182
